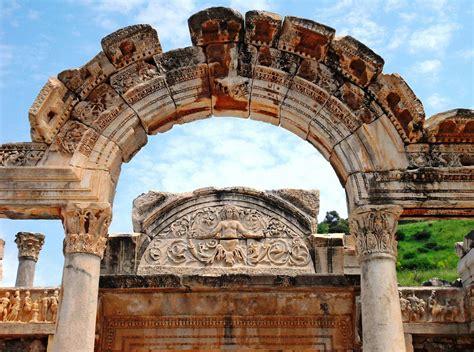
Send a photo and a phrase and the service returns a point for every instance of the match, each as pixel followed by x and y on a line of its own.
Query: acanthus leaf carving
pixel 29 244
pixel 374 228
pixel 86 226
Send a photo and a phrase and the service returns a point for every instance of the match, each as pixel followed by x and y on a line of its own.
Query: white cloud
pixel 244 5
pixel 435 38
pixel 437 102
pixel 466 54
pixel 428 67
pixel 221 152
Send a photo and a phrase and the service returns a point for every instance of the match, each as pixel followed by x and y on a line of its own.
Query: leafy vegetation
pixel 425 249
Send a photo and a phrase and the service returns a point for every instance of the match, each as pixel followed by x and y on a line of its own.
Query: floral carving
pixel 374 229
pixel 21 154
pixel 29 244
pixel 86 227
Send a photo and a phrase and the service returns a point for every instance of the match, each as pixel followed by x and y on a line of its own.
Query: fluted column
pixel 29 245
pixel 374 228
pixel 86 226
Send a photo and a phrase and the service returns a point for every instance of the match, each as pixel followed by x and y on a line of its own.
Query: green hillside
pixel 426 250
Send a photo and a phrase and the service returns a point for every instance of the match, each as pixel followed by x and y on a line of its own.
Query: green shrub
pixel 400 235
pixel 423 250
pixel 409 255
pixel 422 235
pixel 431 245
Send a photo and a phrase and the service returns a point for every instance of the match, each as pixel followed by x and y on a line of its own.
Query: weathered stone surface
pixel 187 77
pixel 262 28
pixel 107 113
pixel 305 38
pixel 29 245
pixel 305 200
pixel 401 104
pixel 453 126
pixel 130 44
pixel 215 319
pixel 216 25
pixel 21 154
pixel 273 74
pixel 226 231
pixel 120 257
pixel 50 110
pixel 23 308
pixel 82 80
pixel 354 60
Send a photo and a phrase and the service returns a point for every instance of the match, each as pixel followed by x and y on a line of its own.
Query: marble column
pixel 374 228
pixel 2 248
pixel 29 245
pixel 86 226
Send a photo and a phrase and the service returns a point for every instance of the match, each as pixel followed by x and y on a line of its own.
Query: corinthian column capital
pixel 374 228
pixel 29 244
pixel 86 226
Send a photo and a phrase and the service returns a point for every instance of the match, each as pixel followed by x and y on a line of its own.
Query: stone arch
pixel 290 72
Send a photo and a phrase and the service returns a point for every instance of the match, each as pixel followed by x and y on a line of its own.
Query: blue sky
pixel 430 43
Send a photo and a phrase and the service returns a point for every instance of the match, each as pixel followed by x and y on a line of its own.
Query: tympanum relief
pixel 227 239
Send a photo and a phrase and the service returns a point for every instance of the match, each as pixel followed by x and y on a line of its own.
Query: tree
pixel 333 224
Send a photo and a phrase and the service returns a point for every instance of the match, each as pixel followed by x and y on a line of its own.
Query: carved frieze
pixel 86 227
pixel 29 306
pixel 453 126
pixel 21 154
pixel 29 244
pixel 374 228
pixel 436 305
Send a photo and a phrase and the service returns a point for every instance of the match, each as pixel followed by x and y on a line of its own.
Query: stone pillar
pixel 374 228
pixel 2 248
pixel 29 245
pixel 86 226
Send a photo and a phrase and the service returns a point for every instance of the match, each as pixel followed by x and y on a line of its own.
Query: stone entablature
pixel 234 230
pixel 32 305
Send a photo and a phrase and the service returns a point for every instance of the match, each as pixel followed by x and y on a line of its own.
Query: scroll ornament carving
pixel 86 227
pixel 228 236
pixel 374 228
pixel 434 159
pixel 21 154
pixel 24 306
pixel 432 308
pixel 29 244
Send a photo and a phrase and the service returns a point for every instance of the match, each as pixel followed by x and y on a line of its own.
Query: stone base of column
pixel 77 313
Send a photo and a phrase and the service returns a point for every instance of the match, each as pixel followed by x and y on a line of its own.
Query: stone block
pixel 107 113
pixel 50 110
pixel 453 126
pixel 216 25
pixel 120 257
pixel 328 254
pixel 262 28
pixel 321 75
pixel 272 78
pixel 131 44
pixel 305 38
pixel 230 78
pixel 146 91
pixel 404 109
pixel 82 80
pixel 354 60
pixel 187 77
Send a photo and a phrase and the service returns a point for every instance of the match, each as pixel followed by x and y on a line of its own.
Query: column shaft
pixel 374 228
pixel 26 272
pixel 86 226
pixel 77 314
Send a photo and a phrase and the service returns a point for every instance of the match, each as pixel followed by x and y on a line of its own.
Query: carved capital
pixel 86 226
pixel 374 228
pixel 29 244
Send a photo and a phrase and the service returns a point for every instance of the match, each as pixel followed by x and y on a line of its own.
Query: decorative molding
pixel 374 228
pixel 29 244
pixel 86 226
pixel 21 154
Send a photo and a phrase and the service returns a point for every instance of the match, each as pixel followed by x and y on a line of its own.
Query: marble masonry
pixel 290 72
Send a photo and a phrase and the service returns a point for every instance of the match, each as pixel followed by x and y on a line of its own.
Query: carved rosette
pixel 86 226
pixel 374 228
pixel 29 244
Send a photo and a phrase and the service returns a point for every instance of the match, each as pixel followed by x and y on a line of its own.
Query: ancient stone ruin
pixel 238 267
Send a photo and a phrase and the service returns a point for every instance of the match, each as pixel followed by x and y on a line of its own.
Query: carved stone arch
pixel 290 72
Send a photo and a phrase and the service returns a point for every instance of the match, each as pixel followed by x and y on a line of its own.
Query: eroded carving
pixel 29 244
pixel 21 154
pixel 374 228
pixel 86 226
pixel 29 306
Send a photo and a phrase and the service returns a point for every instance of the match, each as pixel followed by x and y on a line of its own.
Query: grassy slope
pixel 420 260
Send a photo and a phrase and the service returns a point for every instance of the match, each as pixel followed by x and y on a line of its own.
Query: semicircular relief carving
pixel 227 238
